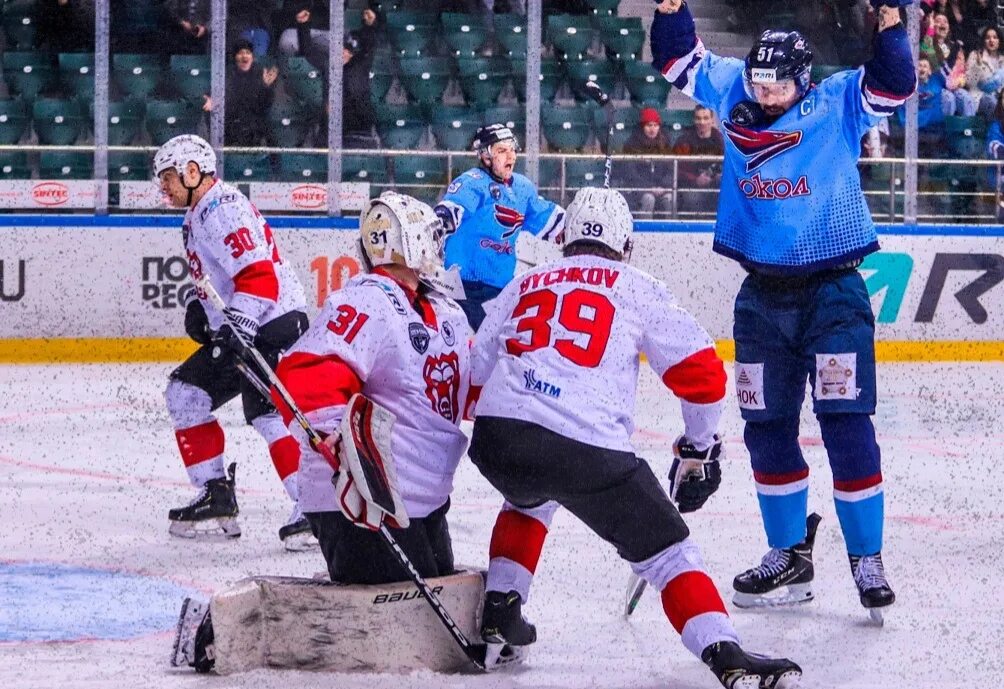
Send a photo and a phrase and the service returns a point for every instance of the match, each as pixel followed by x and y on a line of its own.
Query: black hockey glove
pixel 695 474
pixel 237 327
pixel 197 323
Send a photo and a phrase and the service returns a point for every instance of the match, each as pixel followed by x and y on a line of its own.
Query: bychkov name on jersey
pixel 559 347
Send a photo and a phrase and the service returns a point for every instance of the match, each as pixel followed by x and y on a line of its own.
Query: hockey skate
pixel 212 515
pixel 193 639
pixel 504 629
pixel 873 587
pixel 784 576
pixel 296 535
pixel 737 669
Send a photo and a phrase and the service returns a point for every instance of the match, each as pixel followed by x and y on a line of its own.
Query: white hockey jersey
pixel 370 337
pixel 227 240
pixel 560 348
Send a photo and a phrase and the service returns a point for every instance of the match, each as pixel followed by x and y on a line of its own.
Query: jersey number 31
pixel 580 312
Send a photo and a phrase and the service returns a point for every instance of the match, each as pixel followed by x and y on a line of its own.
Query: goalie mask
pixel 599 216
pixel 398 229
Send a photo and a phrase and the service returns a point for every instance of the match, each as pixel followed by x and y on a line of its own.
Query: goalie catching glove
pixel 366 484
pixel 695 474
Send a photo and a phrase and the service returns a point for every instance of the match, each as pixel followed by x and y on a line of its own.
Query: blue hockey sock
pixel 782 479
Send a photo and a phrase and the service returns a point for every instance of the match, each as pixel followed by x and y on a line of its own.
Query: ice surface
pixel 89 468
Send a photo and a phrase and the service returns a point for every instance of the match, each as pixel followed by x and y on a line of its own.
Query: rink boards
pixel 86 288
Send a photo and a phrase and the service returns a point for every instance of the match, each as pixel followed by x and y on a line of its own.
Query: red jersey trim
pixel 315 382
pixel 258 280
pixel 699 379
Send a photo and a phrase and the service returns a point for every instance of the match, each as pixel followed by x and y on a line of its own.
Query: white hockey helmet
pixel 600 216
pixel 178 152
pixel 400 229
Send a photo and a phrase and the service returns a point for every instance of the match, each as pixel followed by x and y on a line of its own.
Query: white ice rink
pixel 89 468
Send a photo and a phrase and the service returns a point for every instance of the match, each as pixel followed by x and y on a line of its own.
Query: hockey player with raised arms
pixel 395 335
pixel 227 242
pixel 792 213
pixel 558 358
pixel 484 210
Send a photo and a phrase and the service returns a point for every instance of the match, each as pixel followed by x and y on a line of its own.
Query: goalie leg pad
pixel 303 624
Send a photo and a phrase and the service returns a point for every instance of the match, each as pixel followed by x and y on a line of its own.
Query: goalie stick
pixel 476 652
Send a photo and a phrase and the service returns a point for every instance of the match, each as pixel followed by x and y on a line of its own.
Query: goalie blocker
pixel 305 624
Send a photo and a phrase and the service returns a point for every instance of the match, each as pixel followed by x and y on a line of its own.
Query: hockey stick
pixel 476 652
pixel 596 93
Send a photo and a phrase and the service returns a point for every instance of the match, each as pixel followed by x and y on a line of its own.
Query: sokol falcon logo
pixel 759 147
pixel 509 218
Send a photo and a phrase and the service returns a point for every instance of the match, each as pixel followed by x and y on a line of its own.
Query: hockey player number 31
pixel 581 312
pixel 348 322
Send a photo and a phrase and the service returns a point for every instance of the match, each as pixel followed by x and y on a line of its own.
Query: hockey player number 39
pixel 574 317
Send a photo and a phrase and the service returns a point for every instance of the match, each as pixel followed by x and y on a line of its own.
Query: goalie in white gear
pixel 396 336
pixel 558 357
pixel 227 241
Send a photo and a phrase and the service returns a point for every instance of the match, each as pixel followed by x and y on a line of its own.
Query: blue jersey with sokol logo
pixel 488 216
pixel 791 199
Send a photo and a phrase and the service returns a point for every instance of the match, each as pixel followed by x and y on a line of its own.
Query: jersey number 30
pixel 580 312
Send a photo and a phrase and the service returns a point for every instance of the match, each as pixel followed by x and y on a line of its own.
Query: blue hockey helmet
pixel 778 56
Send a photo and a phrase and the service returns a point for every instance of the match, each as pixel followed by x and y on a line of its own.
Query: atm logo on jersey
pixel 759 147
pixel 534 384
pixel 509 218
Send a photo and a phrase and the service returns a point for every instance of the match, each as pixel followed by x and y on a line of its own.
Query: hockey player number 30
pixel 581 312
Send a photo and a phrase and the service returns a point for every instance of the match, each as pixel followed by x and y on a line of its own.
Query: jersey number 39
pixel 580 312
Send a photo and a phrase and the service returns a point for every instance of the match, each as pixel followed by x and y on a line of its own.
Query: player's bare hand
pixel 669 6
pixel 269 75
pixel 303 16
pixel 207 104
pixel 888 16
pixel 369 17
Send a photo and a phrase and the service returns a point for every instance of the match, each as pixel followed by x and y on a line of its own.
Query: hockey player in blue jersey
pixel 484 210
pixel 792 213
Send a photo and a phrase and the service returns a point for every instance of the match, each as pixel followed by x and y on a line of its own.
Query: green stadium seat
pixel 603 7
pixel 624 120
pixel 512 116
pixel 966 137
pixel 603 72
pixel 510 31
pixel 645 84
pixel 132 166
pixel 411 31
pixel 622 36
pixel 364 168
pixel 570 34
pixel 464 33
pixel 675 121
pixel 124 118
pixel 583 173
pixel 247 167
pixel 137 74
pixel 28 73
pixel 14 165
pixel 288 125
pixel 551 76
pixel 13 120
pixel 65 165
pixel 425 78
pixel 303 167
pixel 399 126
pixel 19 25
pixel 566 129
pixel 168 118
pixel 57 121
pixel 190 75
pixel 76 71
pixel 420 176
pixel 305 82
pixel 482 79
pixel 454 127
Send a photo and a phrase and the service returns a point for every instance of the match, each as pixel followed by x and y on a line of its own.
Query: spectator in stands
pixel 947 56
pixel 931 108
pixel 979 15
pixel 304 22
pixel 645 178
pixel 701 139
pixel 190 21
pixel 250 91
pixel 66 26
pixel 251 20
pixel 985 72
pixel 358 117
pixel 995 147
